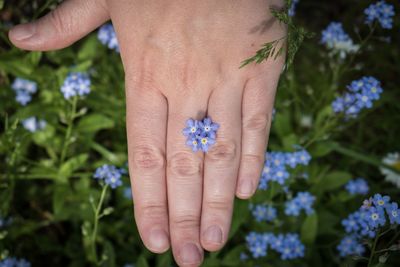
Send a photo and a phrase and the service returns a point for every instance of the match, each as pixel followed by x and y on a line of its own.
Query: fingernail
pixel 246 188
pixel 22 32
pixel 190 254
pixel 159 240
pixel 213 234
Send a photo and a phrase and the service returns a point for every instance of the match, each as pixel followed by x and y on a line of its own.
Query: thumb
pixel 69 22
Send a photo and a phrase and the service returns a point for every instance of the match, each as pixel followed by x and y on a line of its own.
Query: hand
pixel 181 61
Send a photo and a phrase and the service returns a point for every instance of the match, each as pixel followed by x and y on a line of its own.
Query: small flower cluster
pixel 362 93
pixel 110 174
pixel 287 245
pixel 292 9
pixel 33 124
pixel 76 83
pixel 275 166
pixel 107 37
pixel 336 39
pixel 200 134
pixel 13 262
pixel 24 90
pixel 375 213
pixel 262 213
pixel 350 245
pixel 302 201
pixel 357 186
pixel 382 12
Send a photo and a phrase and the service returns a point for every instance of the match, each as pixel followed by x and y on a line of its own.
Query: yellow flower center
pixel 381 202
pixel 396 165
pixel 204 141
pixel 193 129
pixel 194 142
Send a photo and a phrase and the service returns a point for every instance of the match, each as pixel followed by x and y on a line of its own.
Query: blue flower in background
pixel 380 201
pixel 382 12
pixel 76 83
pixel 361 95
pixel 264 213
pixel 110 174
pixel 350 245
pixel 128 192
pixel 33 124
pixel 107 37
pixel 357 186
pixel 365 222
pixel 376 217
pixel 257 244
pixel 24 90
pixel 302 201
pixel 292 9
pixel 287 245
pixel 13 262
pixel 336 39
pixel 352 222
pixel 291 247
pixel 276 166
pixel 393 213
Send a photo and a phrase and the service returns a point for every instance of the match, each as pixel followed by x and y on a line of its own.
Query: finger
pixel 258 101
pixel 184 181
pixel 221 166
pixel 68 23
pixel 146 132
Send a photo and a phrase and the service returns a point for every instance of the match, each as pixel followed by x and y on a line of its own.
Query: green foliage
pixel 290 43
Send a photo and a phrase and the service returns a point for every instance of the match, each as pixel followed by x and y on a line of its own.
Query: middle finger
pixel 184 181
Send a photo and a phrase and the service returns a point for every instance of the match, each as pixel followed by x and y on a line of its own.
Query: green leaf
pixel 233 256
pixel 309 229
pixel 164 259
pixel 211 263
pixel 332 181
pixel 289 141
pixel 89 49
pixel 142 262
pixel 282 124
pixel 72 165
pixel 94 122
pixel 320 149
pixel 240 216
pixel 322 116
pixel 108 256
pixel 34 58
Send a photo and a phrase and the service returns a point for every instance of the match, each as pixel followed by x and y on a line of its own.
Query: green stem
pixel 371 257
pixel 394 238
pixel 96 224
pixel 69 130
pixel 363 157
pixel 362 45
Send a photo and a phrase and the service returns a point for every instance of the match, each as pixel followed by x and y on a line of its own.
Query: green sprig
pixel 294 38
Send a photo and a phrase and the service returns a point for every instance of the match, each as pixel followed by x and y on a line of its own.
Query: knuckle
pixel 253 159
pixel 184 164
pixel 219 203
pixel 223 150
pixel 257 123
pixel 152 211
pixel 62 24
pixel 147 158
pixel 187 221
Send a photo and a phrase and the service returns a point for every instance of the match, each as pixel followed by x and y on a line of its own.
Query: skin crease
pixel 181 61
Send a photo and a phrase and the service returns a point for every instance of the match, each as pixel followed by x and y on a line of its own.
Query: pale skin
pixel 181 60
